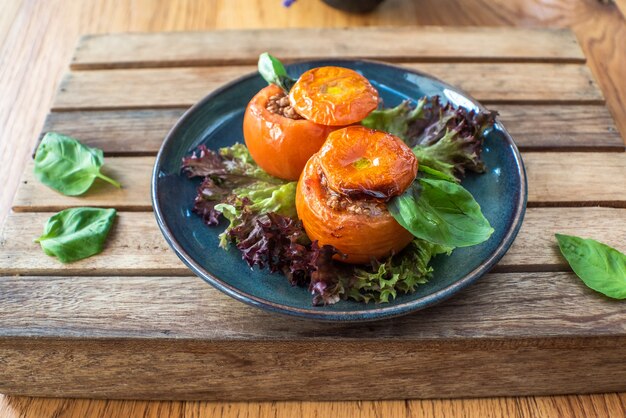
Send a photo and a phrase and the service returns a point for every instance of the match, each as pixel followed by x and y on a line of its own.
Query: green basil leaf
pixel 600 267
pixel 67 166
pixel 273 71
pixel 76 233
pixel 431 173
pixel 441 212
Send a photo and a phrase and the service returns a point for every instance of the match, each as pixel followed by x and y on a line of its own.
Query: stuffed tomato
pixel 288 121
pixel 280 141
pixel 342 193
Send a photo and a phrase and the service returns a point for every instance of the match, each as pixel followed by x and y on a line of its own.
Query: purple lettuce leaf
pixel 444 137
pixel 280 244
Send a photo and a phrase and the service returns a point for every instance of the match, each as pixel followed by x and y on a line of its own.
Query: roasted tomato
pixel 342 193
pixel 358 162
pixel 280 145
pixel 333 96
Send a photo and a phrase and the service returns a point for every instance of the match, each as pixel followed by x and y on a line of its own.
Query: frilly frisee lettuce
pixel 398 274
pixel 67 166
pixel 76 233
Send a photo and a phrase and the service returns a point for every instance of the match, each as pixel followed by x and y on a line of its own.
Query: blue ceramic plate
pixel 216 122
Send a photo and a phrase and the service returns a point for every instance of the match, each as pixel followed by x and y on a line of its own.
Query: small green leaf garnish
pixel 600 267
pixel 273 71
pixel 76 233
pixel 67 166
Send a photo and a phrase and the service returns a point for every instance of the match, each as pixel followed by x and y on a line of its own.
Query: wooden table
pixel 31 80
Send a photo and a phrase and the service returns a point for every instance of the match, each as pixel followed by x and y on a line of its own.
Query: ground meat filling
pixel 364 206
pixel 279 104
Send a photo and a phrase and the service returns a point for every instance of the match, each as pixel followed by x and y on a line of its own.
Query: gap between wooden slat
pixel 426 44
pixel 181 87
pixel 569 179
pixel 390 59
pixel 137 247
pixel 534 128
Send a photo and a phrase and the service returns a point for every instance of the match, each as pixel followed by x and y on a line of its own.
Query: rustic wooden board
pixel 534 127
pixel 390 44
pixel 181 87
pixel 136 246
pixel 552 181
pixel 529 327
pixel 231 370
pixel 186 308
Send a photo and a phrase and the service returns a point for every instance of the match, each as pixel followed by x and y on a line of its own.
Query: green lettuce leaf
pixel 260 198
pixel 399 274
pixel 600 267
pixel 443 137
pixel 232 175
pixel 395 120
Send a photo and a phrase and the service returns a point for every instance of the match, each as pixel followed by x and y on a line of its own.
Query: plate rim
pixel 315 313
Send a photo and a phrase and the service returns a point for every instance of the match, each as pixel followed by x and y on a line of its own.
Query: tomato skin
pixel 360 236
pixel 333 96
pixel 279 145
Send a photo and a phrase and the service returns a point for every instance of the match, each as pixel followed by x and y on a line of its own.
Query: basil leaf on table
pixel 273 71
pixel 67 166
pixel 76 233
pixel 600 267
pixel 441 212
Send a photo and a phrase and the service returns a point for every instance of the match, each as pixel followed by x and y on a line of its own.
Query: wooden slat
pixel 571 179
pixel 576 179
pixel 534 127
pixel 560 128
pixel 141 50
pixel 498 306
pixel 136 246
pixel 132 172
pixel 131 368
pixel 134 132
pixel 181 87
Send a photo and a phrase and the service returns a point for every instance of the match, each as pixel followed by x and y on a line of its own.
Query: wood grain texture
pixel 133 173
pixel 182 87
pixel 141 132
pixel 186 308
pixel 244 47
pixel 605 45
pixel 213 370
pixel 572 179
pixel 136 246
pixel 560 128
pixel 612 404
pixel 41 42
pixel 534 127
